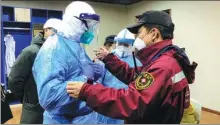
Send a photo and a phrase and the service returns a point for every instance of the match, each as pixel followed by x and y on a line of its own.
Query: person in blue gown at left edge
pixel 62 59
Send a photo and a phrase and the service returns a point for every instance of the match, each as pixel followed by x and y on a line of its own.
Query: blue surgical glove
pixel 88 71
pixel 98 69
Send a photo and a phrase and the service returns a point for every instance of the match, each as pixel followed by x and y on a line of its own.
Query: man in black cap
pixel 158 91
pixel 110 44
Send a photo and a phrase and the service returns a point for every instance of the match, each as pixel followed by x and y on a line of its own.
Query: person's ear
pixel 154 34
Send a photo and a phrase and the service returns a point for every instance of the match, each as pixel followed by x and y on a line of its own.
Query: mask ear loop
pixel 147 35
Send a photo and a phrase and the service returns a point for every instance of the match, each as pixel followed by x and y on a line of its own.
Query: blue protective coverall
pixel 61 60
pixel 111 81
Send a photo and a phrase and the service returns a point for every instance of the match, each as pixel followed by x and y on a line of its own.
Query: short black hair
pixel 166 32
pixel 109 40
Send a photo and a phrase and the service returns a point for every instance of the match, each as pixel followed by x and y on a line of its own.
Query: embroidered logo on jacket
pixel 143 81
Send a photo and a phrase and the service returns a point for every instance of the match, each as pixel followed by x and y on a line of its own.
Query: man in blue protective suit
pixel 123 50
pixel 62 59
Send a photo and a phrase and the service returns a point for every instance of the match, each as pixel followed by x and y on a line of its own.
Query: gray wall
pixel 197 29
pixel 113 17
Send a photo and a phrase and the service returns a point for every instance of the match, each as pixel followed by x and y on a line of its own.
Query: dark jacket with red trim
pixel 158 98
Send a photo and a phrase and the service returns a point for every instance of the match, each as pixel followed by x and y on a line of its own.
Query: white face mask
pixel 139 43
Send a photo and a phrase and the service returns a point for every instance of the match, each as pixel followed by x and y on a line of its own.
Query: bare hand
pixel 74 88
pixel 101 53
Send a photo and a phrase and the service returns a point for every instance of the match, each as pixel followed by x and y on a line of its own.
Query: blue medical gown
pixel 111 81
pixel 61 60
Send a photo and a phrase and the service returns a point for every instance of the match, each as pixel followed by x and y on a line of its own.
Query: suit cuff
pixel 108 58
pixel 83 92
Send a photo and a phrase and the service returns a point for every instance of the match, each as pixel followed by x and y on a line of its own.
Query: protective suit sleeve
pixel 97 69
pixel 91 69
pixel 102 72
pixel 20 71
pixel 120 69
pixel 49 75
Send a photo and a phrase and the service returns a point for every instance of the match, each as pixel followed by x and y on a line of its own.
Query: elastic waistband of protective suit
pixel 70 115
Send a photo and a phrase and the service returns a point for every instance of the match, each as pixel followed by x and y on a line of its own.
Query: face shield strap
pixel 124 41
pixel 84 21
pixel 54 30
pixel 87 16
pixel 91 19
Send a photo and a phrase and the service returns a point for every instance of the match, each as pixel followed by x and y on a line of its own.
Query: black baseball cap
pixel 152 17
pixel 138 16
pixel 110 39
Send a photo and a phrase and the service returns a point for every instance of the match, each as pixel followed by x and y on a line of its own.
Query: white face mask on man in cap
pixel 143 40
pixel 139 43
